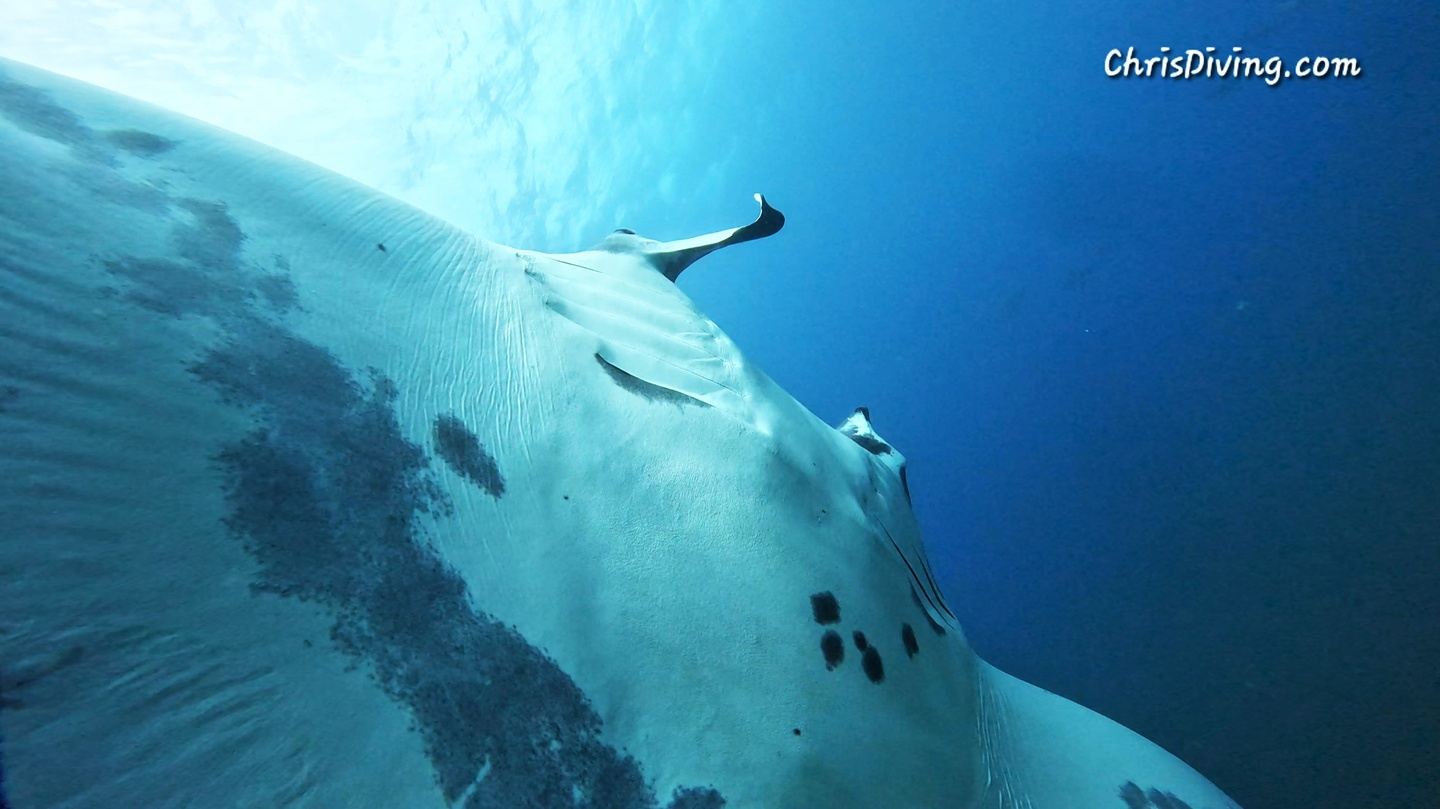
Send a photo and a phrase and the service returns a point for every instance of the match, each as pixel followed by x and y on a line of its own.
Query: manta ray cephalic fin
pixel 671 258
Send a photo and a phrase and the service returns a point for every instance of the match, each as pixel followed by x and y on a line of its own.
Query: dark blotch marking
pixel 825 607
pixel 934 627
pixel 8 395
pixel 214 242
pixel 795 731
pixel 35 112
pixel 833 647
pixel 874 668
pixel 1137 798
pixel 907 635
pixel 381 247
pixel 210 277
pixel 466 455
pixel 692 798
pixel 326 493
pixel 278 291
pixel 174 288
pixel 871 444
pixel 1165 800
pixel 860 642
pixel 645 390
pixel 139 142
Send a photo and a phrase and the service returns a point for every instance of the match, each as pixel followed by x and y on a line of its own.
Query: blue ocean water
pixel 1163 355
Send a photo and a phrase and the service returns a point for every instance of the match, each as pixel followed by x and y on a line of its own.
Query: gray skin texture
pixel 322 491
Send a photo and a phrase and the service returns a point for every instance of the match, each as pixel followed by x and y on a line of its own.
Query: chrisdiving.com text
pixel 1197 63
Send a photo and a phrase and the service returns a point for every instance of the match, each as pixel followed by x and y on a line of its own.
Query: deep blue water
pixel 1164 356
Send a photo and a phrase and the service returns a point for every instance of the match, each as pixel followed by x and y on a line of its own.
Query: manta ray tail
pixel 671 258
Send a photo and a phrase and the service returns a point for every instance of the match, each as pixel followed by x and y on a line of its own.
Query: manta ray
pixel 310 499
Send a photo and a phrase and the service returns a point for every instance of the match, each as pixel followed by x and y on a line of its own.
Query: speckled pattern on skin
pixel 33 111
pixel 159 336
pixel 325 493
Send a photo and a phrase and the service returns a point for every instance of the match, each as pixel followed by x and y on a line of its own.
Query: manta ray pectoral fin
pixel 671 258
pixel 1043 751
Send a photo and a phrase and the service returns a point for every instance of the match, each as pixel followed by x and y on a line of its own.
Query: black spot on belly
pixel 907 634
pixel 874 668
pixel 1137 798
pixel 466 455
pixel 648 391
pixel 860 642
pixel 139 142
pixel 833 648
pixel 795 731
pixel 825 607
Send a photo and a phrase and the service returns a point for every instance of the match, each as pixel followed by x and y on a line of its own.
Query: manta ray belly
pixel 224 583
pixel 309 499
pixel 298 520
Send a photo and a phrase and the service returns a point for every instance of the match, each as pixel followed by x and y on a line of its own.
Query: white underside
pixel 662 554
